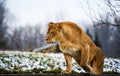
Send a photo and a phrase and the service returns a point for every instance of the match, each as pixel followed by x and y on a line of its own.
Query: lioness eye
pixel 52 32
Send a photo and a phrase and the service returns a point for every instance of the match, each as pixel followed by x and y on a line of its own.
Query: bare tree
pixel 27 37
pixel 109 16
pixel 3 28
pixel 107 25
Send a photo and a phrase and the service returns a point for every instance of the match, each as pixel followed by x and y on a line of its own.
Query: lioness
pixel 74 43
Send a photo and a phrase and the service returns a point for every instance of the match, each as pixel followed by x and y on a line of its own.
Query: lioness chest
pixel 74 52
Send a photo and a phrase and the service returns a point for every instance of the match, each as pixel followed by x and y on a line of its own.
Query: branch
pixel 45 47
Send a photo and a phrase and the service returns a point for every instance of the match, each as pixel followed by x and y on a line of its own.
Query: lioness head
pixel 53 32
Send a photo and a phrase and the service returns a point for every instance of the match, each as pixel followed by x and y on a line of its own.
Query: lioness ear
pixel 60 26
pixel 51 23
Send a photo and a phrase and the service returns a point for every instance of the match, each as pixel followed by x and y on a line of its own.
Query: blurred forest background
pixel 104 29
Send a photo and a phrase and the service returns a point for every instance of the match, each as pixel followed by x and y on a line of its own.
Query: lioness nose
pixel 46 39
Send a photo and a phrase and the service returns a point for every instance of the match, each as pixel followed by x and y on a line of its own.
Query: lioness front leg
pixel 68 59
pixel 84 63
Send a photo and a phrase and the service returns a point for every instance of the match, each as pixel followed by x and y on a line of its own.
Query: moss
pixel 111 72
pixel 58 70
pixel 35 70
pixel 3 71
pixel 1 55
pixel 74 72
pixel 38 71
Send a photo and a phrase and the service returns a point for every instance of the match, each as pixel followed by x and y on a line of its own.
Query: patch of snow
pixel 12 60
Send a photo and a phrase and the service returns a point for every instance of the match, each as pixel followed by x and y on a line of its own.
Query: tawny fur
pixel 74 43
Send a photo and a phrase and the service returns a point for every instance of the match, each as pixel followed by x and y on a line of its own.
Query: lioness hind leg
pixel 84 63
pixel 98 63
pixel 68 59
pixel 97 67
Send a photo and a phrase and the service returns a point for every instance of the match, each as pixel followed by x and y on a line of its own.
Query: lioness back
pixel 75 33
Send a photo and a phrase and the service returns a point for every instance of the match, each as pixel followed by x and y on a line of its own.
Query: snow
pixel 16 60
pixel 112 64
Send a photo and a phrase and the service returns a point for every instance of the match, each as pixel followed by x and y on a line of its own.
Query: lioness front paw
pixel 67 71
